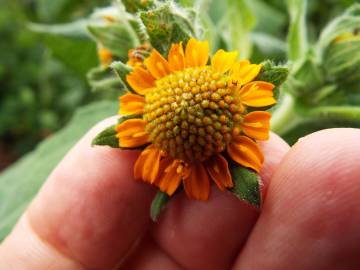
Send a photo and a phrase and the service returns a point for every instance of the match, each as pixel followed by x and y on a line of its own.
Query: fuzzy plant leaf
pixel 134 6
pixel 102 79
pixel 68 42
pixel 116 37
pixel 272 73
pixel 158 204
pixel 166 25
pixel 107 137
pixel 307 77
pixel 246 184
pixel 240 20
pixel 121 71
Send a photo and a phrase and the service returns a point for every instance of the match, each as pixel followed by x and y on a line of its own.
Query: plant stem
pixel 285 116
pixel 344 113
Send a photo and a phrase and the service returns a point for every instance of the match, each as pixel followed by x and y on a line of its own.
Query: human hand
pixel 91 214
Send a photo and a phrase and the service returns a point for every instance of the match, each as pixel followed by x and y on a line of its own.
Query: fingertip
pixel 274 151
pixel 312 207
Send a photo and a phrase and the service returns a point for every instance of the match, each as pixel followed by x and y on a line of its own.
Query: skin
pixel 91 214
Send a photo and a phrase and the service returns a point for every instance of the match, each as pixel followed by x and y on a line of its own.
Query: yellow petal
pixel 170 177
pixel 245 72
pixel 197 185
pixel 223 61
pixel 257 94
pixel 131 133
pixel 196 53
pixel 157 65
pixel 105 56
pixel 176 57
pixel 140 80
pixel 147 165
pixel 246 152
pixel 218 170
pixel 131 104
pixel 257 125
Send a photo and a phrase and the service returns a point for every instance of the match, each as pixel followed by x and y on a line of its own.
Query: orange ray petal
pixel 147 165
pixel 246 152
pixel 196 53
pixel 140 80
pixel 131 133
pixel 244 71
pixel 131 104
pixel 157 65
pixel 257 125
pixel 176 57
pixel 197 185
pixel 223 61
pixel 257 94
pixel 218 170
pixel 170 177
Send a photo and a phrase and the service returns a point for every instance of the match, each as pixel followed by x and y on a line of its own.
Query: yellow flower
pixel 192 114
pixel 105 56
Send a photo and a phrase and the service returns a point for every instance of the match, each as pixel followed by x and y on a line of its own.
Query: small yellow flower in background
pixel 193 116
pixel 105 56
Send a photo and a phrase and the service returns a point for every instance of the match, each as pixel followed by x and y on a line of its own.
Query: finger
pixel 208 235
pixel 311 216
pixel 90 209
pixel 149 257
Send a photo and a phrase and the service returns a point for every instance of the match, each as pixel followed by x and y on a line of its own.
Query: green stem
pixel 342 113
pixel 285 117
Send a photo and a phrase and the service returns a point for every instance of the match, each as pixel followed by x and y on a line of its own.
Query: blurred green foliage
pixel 38 93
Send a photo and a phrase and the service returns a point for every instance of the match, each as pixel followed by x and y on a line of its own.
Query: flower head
pixel 192 116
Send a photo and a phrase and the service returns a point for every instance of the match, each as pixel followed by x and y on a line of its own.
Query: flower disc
pixel 191 114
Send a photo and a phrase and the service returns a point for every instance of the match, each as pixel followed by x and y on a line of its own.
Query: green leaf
pixel 70 44
pixel 297 36
pixel 116 37
pixel 134 6
pixel 122 70
pixel 104 79
pixel 307 77
pixel 107 137
pixel 240 21
pixel 272 73
pixel 267 47
pixel 165 26
pixel 158 204
pixel 246 184
pixel 20 183
pixel 186 3
pixel 269 19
